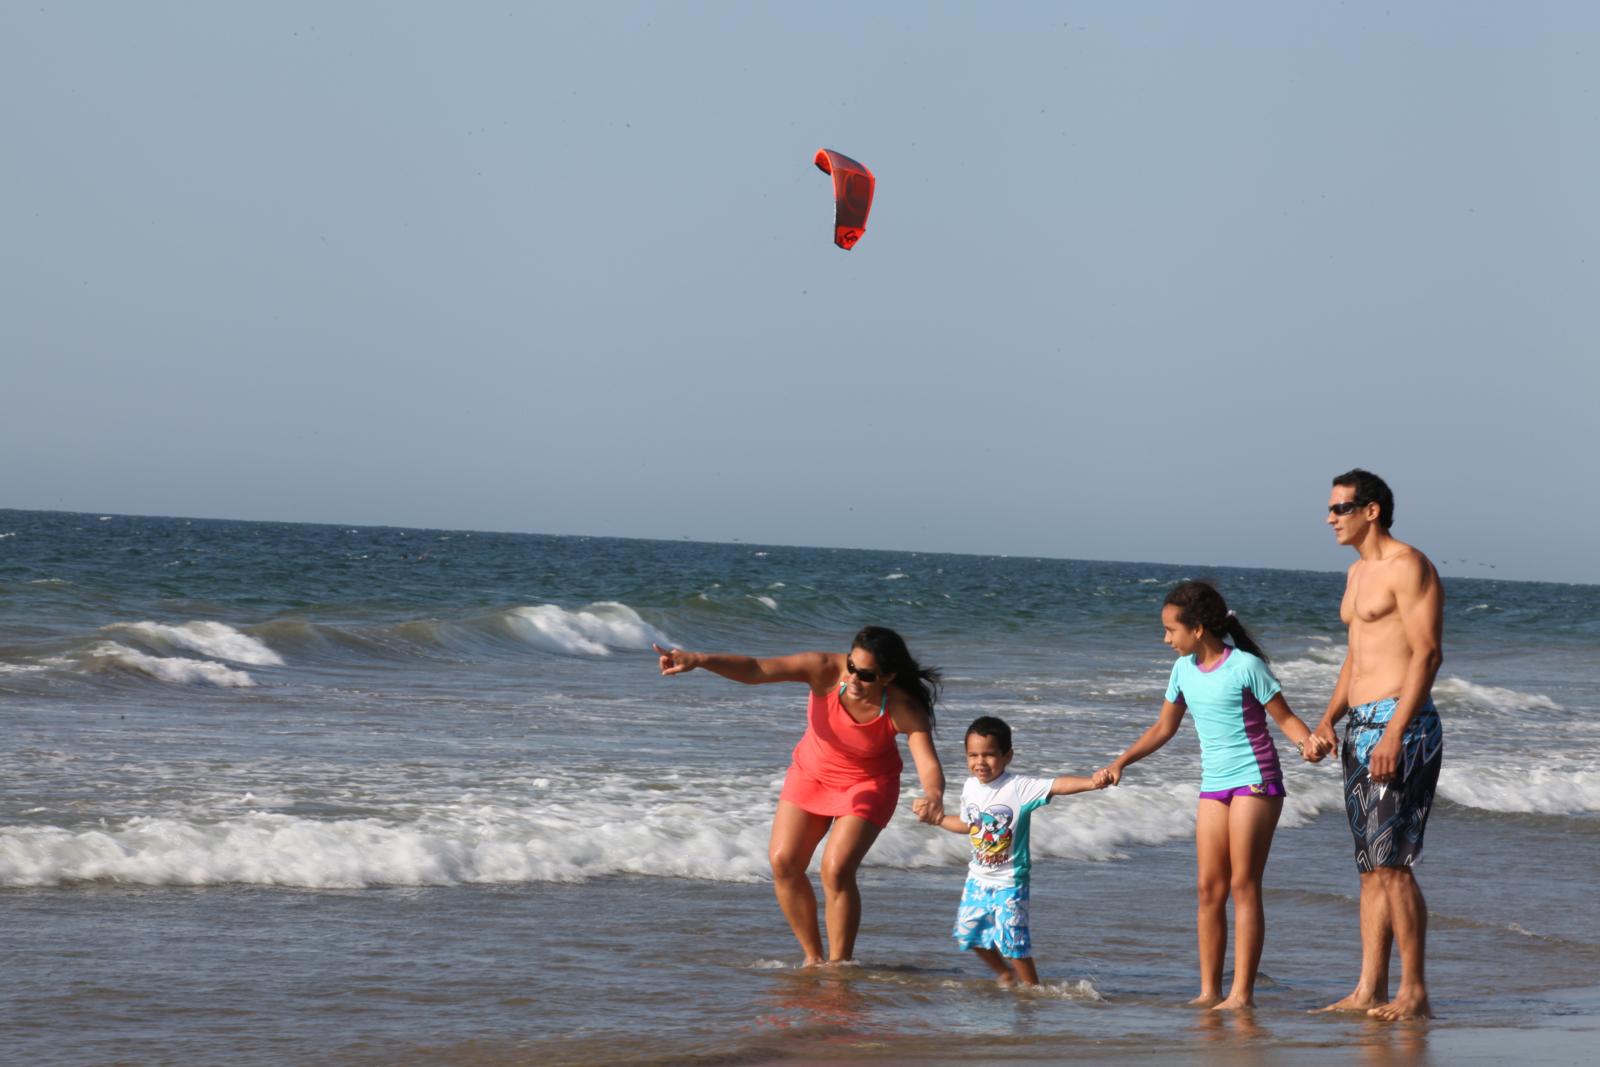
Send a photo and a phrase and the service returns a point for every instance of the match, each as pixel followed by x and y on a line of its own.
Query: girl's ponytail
pixel 1199 604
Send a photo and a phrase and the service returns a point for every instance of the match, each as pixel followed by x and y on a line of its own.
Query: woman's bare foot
pixel 1403 1006
pixel 1206 1000
pixel 1236 1002
pixel 1357 1001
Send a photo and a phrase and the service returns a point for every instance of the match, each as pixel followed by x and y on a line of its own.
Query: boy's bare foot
pixel 1235 1002
pixel 1403 1006
pixel 1206 1000
pixel 1357 1001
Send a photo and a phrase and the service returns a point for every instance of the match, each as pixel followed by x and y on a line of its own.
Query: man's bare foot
pixel 1403 1006
pixel 1235 1002
pixel 1357 1001
pixel 1206 1000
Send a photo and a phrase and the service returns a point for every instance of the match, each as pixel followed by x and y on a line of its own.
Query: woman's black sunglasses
pixel 866 676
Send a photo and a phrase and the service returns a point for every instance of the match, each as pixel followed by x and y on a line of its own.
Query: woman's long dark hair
pixel 889 650
pixel 1199 604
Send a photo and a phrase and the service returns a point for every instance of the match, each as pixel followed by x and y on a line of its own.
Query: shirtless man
pixel 1394 607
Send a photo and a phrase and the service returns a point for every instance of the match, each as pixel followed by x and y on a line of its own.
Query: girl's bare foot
pixel 1005 981
pixel 1235 1002
pixel 1206 1000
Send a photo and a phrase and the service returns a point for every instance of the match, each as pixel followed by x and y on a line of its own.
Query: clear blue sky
pixel 1139 279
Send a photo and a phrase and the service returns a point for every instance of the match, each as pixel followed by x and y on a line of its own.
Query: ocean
pixel 286 793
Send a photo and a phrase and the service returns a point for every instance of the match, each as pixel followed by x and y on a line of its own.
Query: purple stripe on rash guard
pixel 1255 728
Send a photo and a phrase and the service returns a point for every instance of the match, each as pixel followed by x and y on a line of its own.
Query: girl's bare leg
pixel 1214 864
pixel 1251 822
pixel 795 834
pixel 847 846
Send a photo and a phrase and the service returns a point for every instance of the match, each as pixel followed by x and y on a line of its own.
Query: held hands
pixel 1321 742
pixel 1314 747
pixel 929 809
pixel 1108 775
pixel 674 661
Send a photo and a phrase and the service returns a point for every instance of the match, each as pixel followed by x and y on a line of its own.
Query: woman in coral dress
pixel 844 780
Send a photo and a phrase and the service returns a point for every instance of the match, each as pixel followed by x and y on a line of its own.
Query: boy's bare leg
pixel 997 964
pixel 795 833
pixel 1251 822
pixel 1409 915
pixel 847 846
pixel 1026 973
pixel 1377 939
pixel 1214 865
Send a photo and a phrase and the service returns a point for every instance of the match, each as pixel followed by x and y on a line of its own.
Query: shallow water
pixel 281 793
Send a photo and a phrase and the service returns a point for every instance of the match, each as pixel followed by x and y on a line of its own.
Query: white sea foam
pixel 214 639
pixel 596 630
pixel 767 600
pixel 21 668
pixel 1488 697
pixel 1557 789
pixel 179 670
pixel 895 576
pixel 1082 989
pixel 713 828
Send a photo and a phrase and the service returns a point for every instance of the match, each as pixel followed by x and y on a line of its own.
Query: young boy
pixel 996 807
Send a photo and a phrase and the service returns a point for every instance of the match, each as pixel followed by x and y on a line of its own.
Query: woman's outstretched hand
pixel 674 661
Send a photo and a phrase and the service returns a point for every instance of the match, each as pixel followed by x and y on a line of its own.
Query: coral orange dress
pixel 844 767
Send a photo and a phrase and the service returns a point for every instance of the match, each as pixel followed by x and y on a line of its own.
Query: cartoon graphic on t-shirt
pixel 991 834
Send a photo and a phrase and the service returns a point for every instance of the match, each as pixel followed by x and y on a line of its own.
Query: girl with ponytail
pixel 1231 692
pixel 844 780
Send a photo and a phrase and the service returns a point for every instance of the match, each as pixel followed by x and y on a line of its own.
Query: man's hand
pixel 1324 738
pixel 1316 746
pixel 1383 765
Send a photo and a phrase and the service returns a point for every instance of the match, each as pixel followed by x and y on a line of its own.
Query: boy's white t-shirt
pixel 997 815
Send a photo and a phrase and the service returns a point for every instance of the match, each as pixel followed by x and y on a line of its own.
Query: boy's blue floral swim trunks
pixel 994 918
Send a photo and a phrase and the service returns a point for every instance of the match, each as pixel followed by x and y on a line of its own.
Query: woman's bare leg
pixel 795 834
pixel 847 846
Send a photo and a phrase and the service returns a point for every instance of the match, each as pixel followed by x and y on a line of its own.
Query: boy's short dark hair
pixel 989 726
pixel 1370 489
